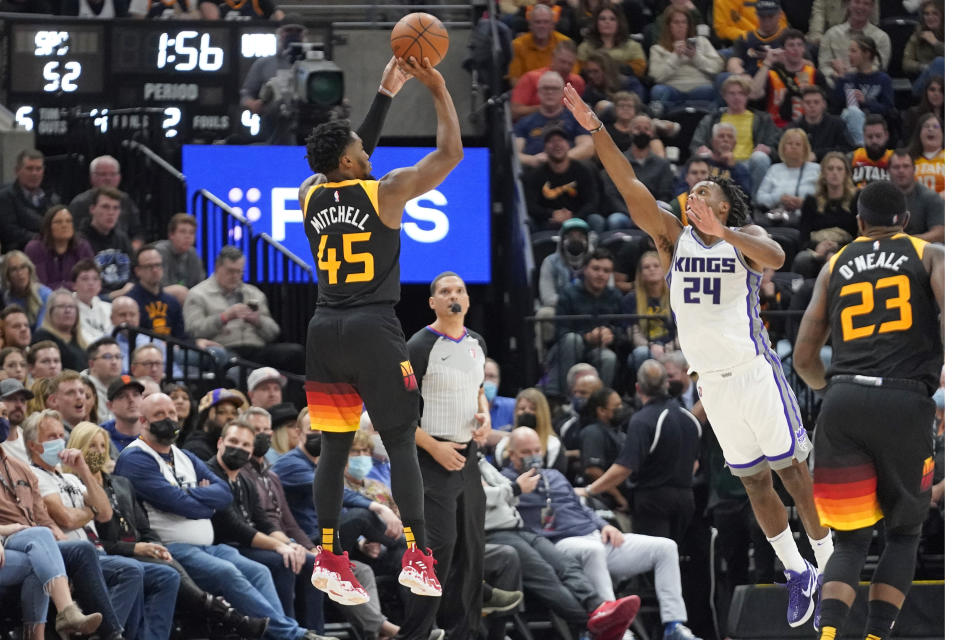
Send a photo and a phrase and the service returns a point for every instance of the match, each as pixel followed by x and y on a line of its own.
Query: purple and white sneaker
pixel 801 587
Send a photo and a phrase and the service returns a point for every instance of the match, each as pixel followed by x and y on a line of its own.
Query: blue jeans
pixel 124 578
pixel 221 569
pixel 32 561
pixel 290 585
pixel 613 221
pixel 160 586
pixel 672 98
pixel 82 561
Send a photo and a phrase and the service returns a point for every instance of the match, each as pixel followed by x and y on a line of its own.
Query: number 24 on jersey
pixel 327 258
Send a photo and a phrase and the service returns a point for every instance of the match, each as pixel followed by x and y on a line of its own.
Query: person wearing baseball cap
pixel 735 19
pixel 124 396
pixel 13 404
pixel 216 408
pixel 265 387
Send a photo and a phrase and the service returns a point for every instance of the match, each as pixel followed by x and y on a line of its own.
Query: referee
pixel 447 361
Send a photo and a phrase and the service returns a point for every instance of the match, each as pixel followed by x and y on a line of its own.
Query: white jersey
pixel 716 304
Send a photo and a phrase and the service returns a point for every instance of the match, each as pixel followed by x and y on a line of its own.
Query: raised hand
pixel 583 114
pixel 394 77
pixel 425 72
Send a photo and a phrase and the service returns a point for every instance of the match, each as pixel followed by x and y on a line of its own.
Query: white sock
pixel 786 549
pixel 822 549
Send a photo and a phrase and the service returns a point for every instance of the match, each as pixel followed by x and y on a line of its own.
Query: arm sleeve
pixel 268 328
pixel 662 63
pixel 229 526
pixel 702 133
pixel 372 125
pixel 258 514
pixel 769 190
pixel 532 183
pixel 548 287
pixel 355 499
pixel 707 59
pixel 911 59
pixel 635 447
pixel 109 534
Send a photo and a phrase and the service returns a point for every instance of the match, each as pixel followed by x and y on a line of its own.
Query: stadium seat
pixel 688 118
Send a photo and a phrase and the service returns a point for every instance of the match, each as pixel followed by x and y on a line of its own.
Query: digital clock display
pixel 172 49
pixel 56 61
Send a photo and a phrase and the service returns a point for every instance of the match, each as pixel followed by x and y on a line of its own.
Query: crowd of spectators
pixel 149 9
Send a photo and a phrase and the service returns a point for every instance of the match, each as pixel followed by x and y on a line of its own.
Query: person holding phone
pixel 682 63
pixel 225 309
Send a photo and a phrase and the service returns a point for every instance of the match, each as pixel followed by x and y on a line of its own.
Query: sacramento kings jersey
pixel 357 256
pixel 715 300
pixel 884 318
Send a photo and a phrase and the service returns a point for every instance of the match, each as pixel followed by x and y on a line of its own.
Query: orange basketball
pixel 420 35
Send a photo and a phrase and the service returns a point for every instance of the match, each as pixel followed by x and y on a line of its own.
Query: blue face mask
pixel 51 451
pixel 359 466
pixel 490 390
pixel 4 429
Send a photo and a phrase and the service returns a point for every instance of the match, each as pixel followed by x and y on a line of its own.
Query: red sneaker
pixel 418 573
pixel 610 620
pixel 333 574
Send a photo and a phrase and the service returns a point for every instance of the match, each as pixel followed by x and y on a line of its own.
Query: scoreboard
pixel 63 70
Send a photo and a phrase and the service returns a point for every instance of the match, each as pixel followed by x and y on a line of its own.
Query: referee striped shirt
pixel 449 371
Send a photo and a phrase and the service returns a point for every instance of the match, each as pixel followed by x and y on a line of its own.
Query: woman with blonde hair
pixel 828 218
pixel 41 389
pixel 788 182
pixel 61 325
pixel 129 534
pixel 532 410
pixel 652 337
pixel 19 284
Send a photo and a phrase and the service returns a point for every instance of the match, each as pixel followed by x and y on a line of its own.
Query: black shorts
pixel 357 358
pixel 873 456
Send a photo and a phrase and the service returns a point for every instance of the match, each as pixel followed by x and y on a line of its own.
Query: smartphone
pixel 692 43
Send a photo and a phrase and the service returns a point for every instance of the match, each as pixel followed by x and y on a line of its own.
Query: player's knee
pixel 758 482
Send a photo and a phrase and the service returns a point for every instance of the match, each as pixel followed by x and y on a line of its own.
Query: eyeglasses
pixel 153 364
pixel 110 357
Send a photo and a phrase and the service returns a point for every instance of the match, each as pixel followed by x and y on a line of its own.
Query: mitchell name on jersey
pixel 339 213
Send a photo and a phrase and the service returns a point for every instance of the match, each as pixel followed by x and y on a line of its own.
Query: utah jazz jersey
pixel 884 319
pixel 357 256
pixel 716 304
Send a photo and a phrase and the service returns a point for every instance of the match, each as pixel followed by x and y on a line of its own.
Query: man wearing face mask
pixel 74 502
pixel 581 387
pixel 553 510
pixel 245 525
pixel 367 616
pixel 649 168
pixel 558 270
pixel 296 469
pixel 660 450
pixel 603 437
pixel 501 407
pixel 181 495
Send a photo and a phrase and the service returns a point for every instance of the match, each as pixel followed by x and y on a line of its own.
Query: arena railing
pixel 158 188
pixel 200 367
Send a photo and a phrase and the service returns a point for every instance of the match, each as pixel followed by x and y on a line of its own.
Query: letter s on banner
pixel 441 224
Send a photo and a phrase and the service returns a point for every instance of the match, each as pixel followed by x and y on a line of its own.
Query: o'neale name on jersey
pixel 705 265
pixel 339 213
pixel 866 262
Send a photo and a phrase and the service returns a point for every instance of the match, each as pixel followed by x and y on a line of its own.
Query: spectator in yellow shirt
pixel 928 153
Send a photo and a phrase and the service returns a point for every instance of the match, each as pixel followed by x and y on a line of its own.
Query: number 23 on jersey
pixel 900 302
pixel 327 258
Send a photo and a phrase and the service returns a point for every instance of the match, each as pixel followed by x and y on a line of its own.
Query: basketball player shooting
pixel 714 281
pixel 356 351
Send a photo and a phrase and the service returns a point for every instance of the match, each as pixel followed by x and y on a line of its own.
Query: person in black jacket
pixel 661 447
pixel 825 131
pixel 23 203
pixel 246 526
pixel 216 408
pixel 129 534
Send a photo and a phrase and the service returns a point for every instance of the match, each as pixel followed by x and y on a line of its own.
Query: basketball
pixel 420 35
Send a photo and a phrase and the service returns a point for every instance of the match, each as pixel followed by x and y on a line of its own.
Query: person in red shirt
pixel 524 99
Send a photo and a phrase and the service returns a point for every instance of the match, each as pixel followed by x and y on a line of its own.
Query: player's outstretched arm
pixel 812 335
pixel 306 186
pixel 401 185
pixel 664 228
